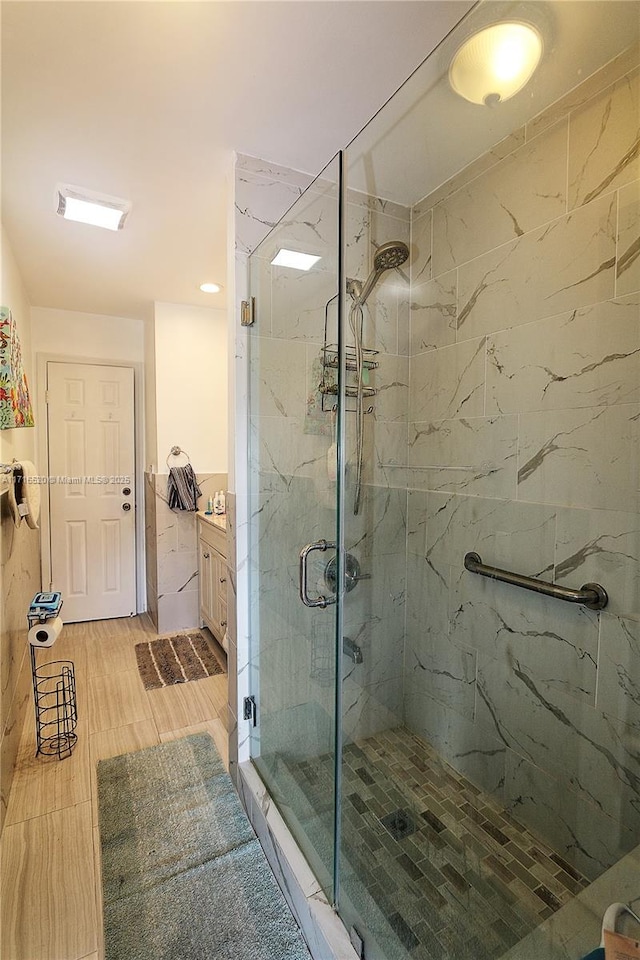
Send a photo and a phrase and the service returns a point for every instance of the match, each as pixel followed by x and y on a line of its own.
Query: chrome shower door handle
pixel 304 593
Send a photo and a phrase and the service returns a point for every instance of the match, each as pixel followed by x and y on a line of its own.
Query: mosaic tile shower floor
pixel 454 876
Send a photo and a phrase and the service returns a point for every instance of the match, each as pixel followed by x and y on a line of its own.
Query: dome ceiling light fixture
pixel 496 63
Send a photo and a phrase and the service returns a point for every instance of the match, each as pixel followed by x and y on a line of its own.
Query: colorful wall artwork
pixel 15 403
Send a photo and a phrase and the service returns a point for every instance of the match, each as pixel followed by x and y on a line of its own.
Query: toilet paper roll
pixel 45 634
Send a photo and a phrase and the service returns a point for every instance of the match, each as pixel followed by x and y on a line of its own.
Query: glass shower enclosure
pixel 444 466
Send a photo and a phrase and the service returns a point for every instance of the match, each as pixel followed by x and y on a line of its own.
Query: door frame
pixel 42 446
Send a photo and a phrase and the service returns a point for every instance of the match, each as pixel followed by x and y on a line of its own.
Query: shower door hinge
pixel 248 312
pixel 250 710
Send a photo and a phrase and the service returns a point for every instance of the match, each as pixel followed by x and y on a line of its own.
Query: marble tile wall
pixel 263 192
pixel 288 470
pixel 172 553
pixel 524 443
pixel 20 578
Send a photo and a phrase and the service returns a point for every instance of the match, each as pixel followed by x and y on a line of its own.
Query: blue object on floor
pixel 597 954
pixel 45 606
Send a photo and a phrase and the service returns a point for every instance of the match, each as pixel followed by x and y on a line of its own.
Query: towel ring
pixel 176 452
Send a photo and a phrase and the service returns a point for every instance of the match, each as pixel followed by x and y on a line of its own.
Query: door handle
pixel 126 507
pixel 304 592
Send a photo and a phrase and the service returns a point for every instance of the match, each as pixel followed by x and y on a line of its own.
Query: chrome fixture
pixel 351 576
pixel 351 573
pixel 389 256
pixel 351 650
pixel 592 595
pixel 303 574
pixel 430 466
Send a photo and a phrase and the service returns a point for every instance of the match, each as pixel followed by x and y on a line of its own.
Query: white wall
pixel 87 335
pixel 191 385
pixel 150 409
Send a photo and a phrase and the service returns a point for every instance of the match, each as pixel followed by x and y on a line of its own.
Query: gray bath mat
pixel 184 877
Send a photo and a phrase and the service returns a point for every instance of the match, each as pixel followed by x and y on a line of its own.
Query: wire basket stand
pixel 54 689
pixel 54 696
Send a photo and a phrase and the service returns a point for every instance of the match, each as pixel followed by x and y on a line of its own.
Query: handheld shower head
pixel 390 255
pixel 387 257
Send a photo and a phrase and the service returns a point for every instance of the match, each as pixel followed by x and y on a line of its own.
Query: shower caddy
pixel 329 387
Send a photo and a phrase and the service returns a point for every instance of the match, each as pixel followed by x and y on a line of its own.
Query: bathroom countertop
pixel 216 520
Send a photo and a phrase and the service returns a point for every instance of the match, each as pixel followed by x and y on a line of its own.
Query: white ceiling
pixel 146 100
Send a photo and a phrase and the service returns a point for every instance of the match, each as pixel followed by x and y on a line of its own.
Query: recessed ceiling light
pixel 210 287
pixel 495 63
pixel 86 206
pixel 292 258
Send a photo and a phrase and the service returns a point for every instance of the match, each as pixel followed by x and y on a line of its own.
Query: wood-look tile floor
pixel 51 898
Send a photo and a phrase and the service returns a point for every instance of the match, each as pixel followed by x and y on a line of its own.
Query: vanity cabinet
pixel 212 577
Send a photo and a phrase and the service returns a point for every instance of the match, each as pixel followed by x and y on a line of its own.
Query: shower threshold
pixel 435 866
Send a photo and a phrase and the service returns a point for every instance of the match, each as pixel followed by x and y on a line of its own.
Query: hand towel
pixel 31 493
pixel 182 488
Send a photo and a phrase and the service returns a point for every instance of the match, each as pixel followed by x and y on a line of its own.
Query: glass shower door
pixel 294 278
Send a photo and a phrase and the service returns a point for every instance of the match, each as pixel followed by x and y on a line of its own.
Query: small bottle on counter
pixel 209 509
pixel 218 503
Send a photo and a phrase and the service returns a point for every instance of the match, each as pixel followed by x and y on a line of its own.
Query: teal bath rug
pixel 183 875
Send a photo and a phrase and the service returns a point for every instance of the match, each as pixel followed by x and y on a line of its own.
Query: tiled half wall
pixel 171 539
pixel 20 579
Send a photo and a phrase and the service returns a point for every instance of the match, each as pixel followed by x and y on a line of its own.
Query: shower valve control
pixel 352 573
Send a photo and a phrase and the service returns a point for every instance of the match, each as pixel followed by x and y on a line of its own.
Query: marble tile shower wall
pixel 524 404
pixel 294 498
pixel 374 612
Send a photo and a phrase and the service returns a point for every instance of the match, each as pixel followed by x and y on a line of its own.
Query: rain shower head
pixel 387 257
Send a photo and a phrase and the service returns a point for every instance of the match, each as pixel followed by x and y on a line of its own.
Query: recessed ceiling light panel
pixel 87 206
pixel 292 258
pixel 210 287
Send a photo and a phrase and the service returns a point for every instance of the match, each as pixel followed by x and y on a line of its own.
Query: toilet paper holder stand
pixel 54 689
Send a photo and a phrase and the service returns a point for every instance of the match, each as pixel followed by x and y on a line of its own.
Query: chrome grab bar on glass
pixel 304 594
pixel 592 595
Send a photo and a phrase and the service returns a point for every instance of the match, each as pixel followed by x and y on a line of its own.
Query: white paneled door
pixel 92 489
